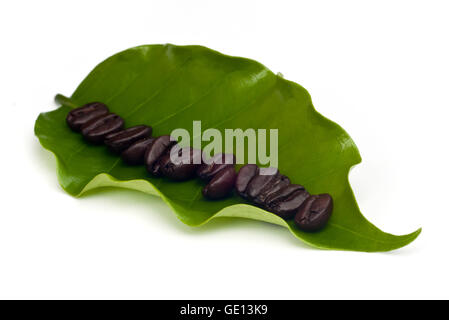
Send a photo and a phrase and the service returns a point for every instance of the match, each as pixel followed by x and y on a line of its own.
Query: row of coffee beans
pixel 265 187
pixel 269 189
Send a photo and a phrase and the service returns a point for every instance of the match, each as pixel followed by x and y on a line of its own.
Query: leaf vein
pixel 190 105
pixel 165 85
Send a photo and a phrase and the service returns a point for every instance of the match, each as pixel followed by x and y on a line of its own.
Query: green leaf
pixel 168 87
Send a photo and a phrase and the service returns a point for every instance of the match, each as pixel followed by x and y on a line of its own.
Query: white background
pixel 378 68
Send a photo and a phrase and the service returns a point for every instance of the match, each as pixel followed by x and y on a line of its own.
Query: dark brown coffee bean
pixel 282 194
pixel 217 163
pixel 119 141
pixel 156 150
pixel 221 184
pixel 245 175
pixel 82 115
pixel 135 153
pixel 275 185
pixel 96 130
pixel 287 208
pixel 314 213
pixel 259 183
pixel 180 163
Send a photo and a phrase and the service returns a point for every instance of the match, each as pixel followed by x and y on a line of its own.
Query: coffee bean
pixel 180 163
pixel 287 208
pixel 314 212
pixel 259 183
pixel 282 194
pixel 82 115
pixel 275 185
pixel 221 184
pixel 121 140
pixel 156 150
pixel 96 130
pixel 217 163
pixel 245 175
pixel 135 153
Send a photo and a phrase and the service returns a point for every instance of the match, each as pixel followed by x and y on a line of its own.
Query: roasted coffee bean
pixel 135 153
pixel 121 140
pixel 156 150
pixel 217 163
pixel 287 208
pixel 82 115
pixel 96 130
pixel 259 183
pixel 180 163
pixel 245 175
pixel 275 185
pixel 282 194
pixel 221 184
pixel 314 212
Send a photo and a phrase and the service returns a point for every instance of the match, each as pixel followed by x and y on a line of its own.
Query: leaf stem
pixel 61 99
